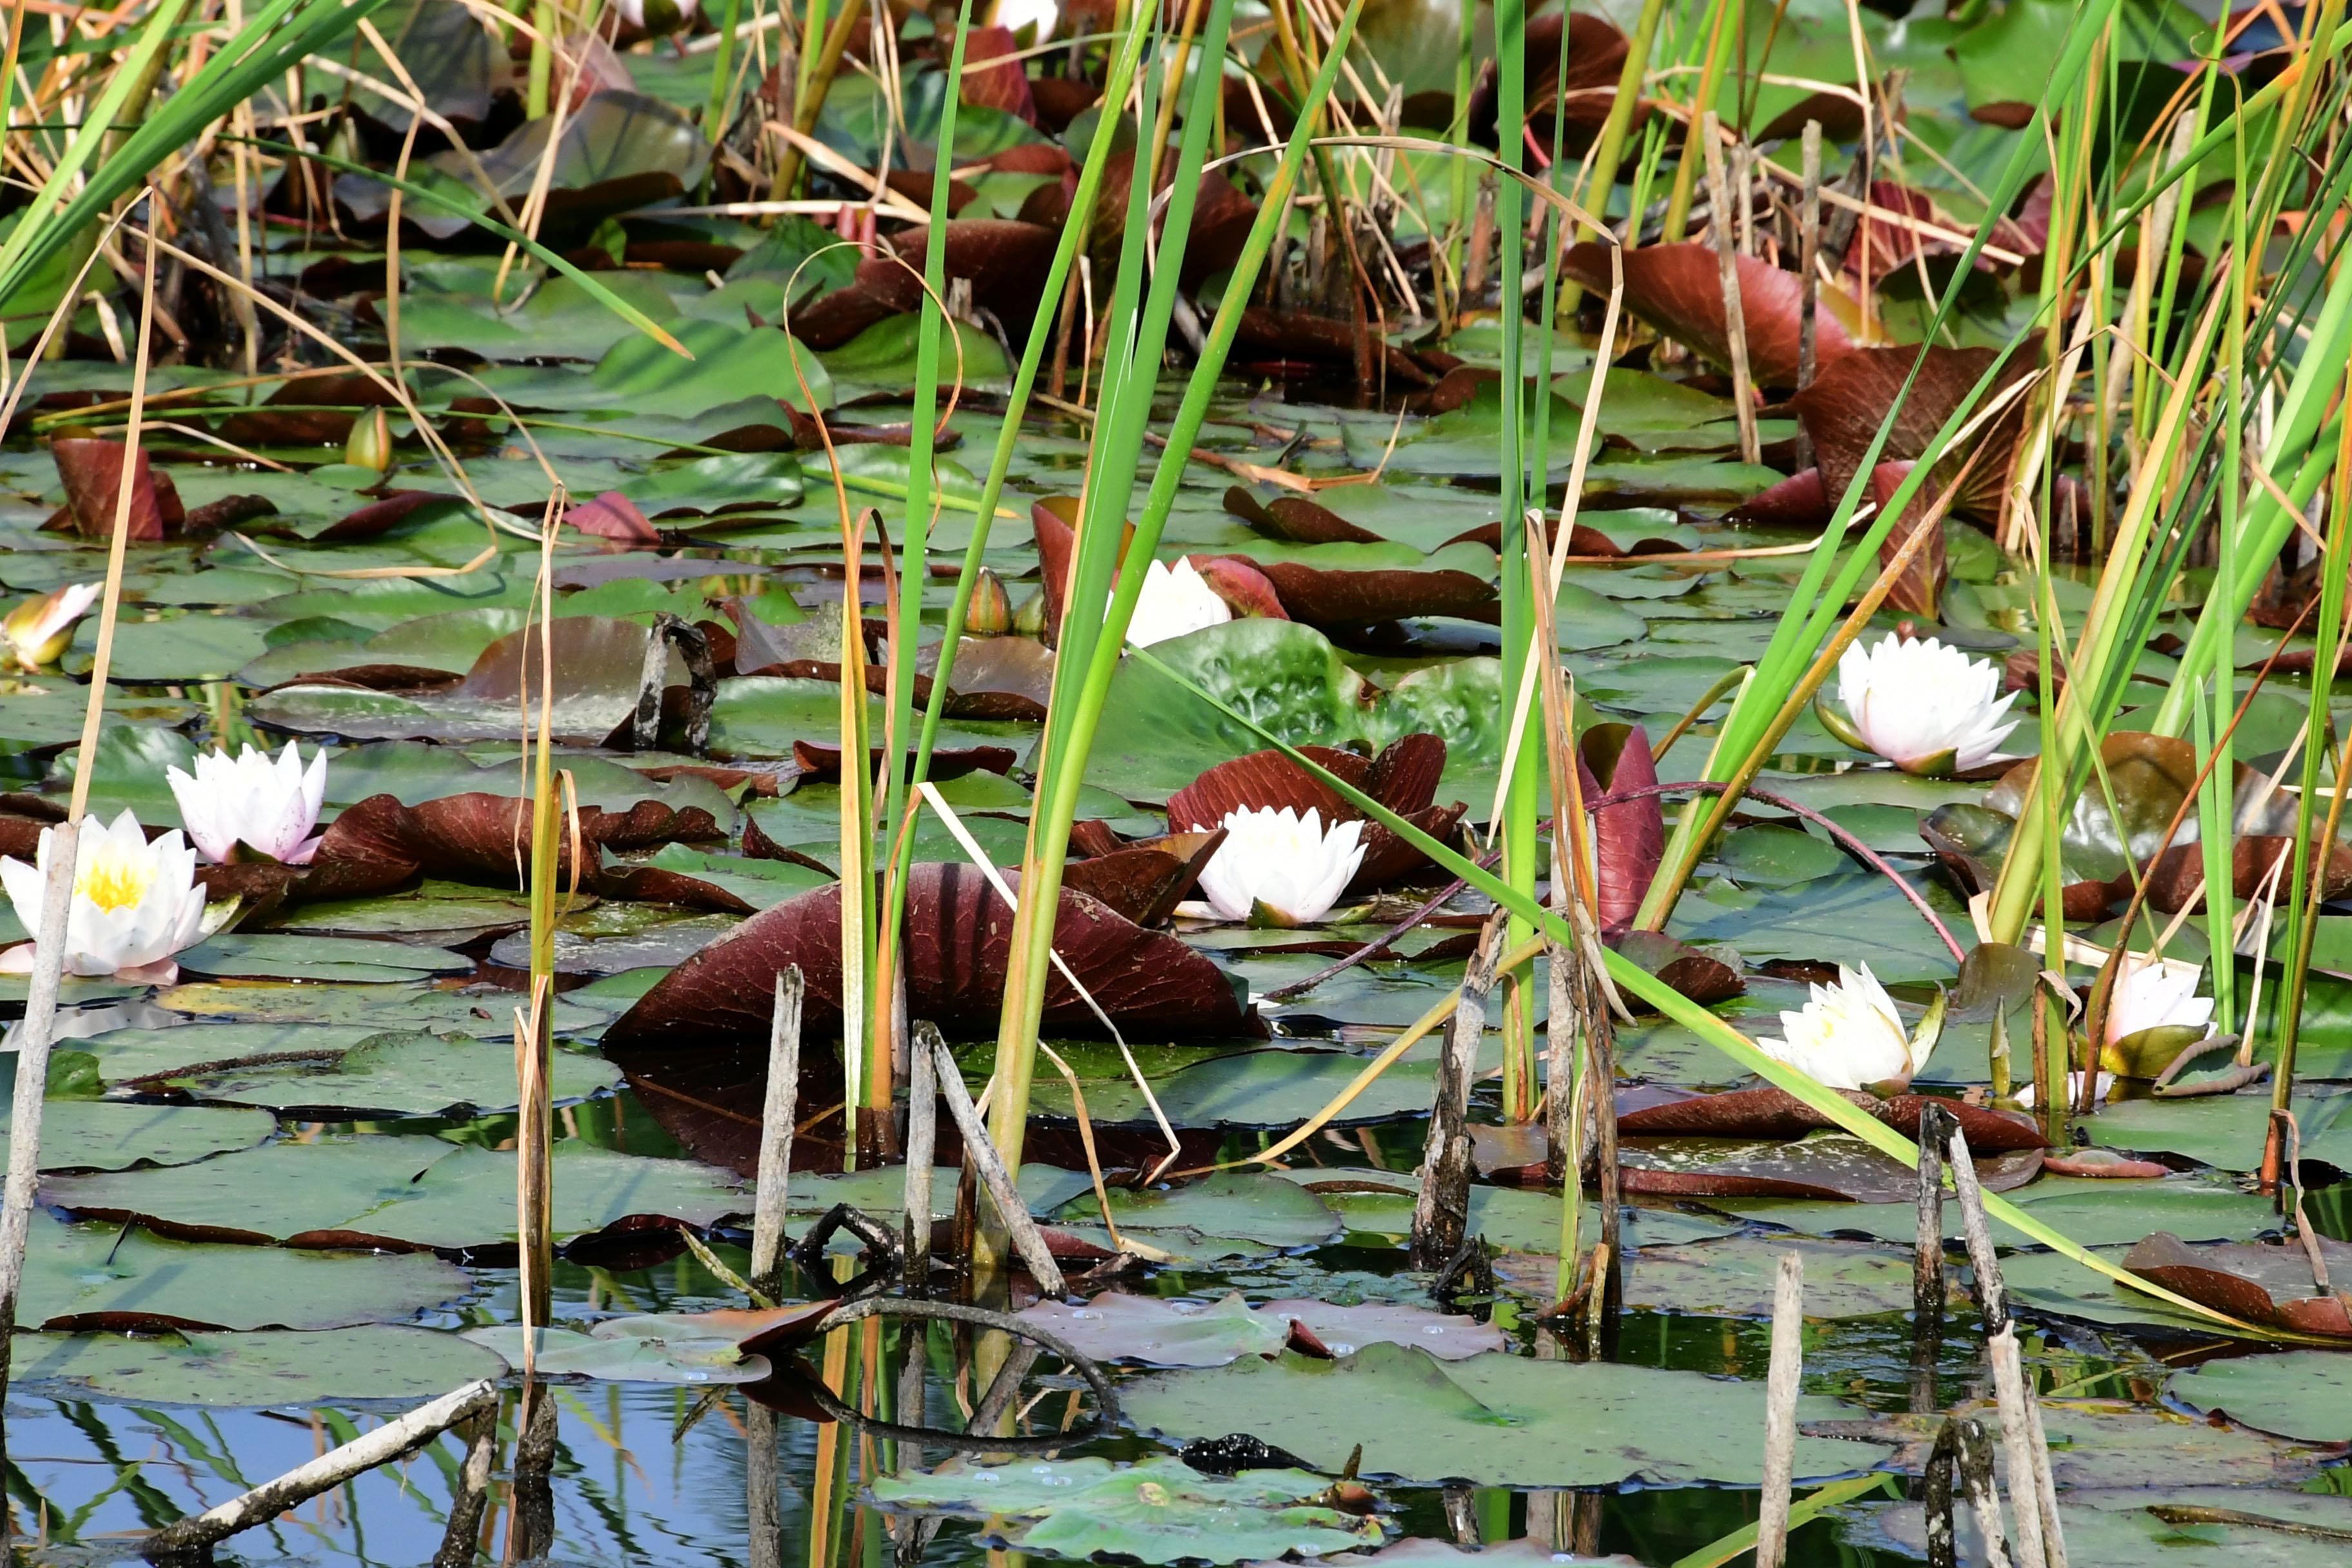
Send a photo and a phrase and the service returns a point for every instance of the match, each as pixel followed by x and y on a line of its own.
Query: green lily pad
pixel 270 1367
pixel 1494 1420
pixel 401 1191
pixel 397 1072
pixel 82 1272
pixel 1735 1277
pixel 1230 1214
pixel 105 1135
pixel 2225 1132
pixel 2295 1394
pixel 1115 1326
pixel 614 1354
pixel 1161 1510
pixel 250 956
pixel 2092 1213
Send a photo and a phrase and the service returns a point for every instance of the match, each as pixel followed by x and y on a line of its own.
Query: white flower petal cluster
pixel 1175 601
pixel 268 806
pixel 1912 702
pixel 38 630
pixel 134 903
pixel 2156 993
pixel 657 16
pixel 1289 863
pixel 1848 1035
pixel 2105 1087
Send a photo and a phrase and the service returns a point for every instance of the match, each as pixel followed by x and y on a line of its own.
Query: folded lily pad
pixel 269 1367
pixel 1493 1420
pixel 1160 1510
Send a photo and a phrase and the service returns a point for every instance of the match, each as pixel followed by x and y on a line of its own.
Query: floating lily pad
pixel 271 1367
pixel 245 954
pixel 1231 1214
pixel 101 1275
pixel 1494 1420
pixel 1161 1510
pixel 1115 1326
pixel 395 1073
pixel 645 1356
pixel 2225 1132
pixel 397 1191
pixel 2094 1213
pixel 1735 1277
pixel 2295 1394
pixel 104 1135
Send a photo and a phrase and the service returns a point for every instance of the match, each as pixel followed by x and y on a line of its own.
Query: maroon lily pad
pixel 1692 971
pixel 310 411
pixel 1241 584
pixel 1629 838
pixel 1585 91
pixel 615 517
pixel 380 517
pixel 821 759
pixel 1295 337
pixel 998 82
pixel 1331 599
pixel 1146 879
pixel 1296 519
pixel 1678 290
pixel 1004 260
pixel 91 471
pixel 1850 395
pixel 2269 1285
pixel 957 940
pixel 1403 778
pixel 1920 590
pixel 1828 1168
pixel 1770 1112
pixel 1800 500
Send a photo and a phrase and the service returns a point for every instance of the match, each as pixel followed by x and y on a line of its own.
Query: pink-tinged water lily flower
pixel 39 630
pixel 1850 1036
pixel 1287 864
pixel 134 903
pixel 1175 601
pixel 1925 707
pixel 268 805
pixel 2156 993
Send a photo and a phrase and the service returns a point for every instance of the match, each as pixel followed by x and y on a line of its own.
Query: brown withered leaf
pixel 91 473
pixel 1770 1112
pixel 1629 837
pixel 2269 1285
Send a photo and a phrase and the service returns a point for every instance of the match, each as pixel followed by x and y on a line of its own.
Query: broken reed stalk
pixel 1781 1411
pixel 1724 233
pixel 35 1033
pixel 922 1147
pixel 192 1538
pixel 1809 252
pixel 981 1157
pixel 778 1111
pixel 2033 1492
pixel 763 1517
pixel 531 1525
pixel 470 1495
pixel 1962 1446
pixel 1440 1211
pixel 1927 1289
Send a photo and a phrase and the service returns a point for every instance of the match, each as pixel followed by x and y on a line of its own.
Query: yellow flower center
pixel 114 882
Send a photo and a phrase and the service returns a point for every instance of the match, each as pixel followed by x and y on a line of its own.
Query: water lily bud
pixel 1029 620
pixel 369 445
pixel 1281 865
pixel 1848 1035
pixel 39 630
pixel 991 613
pixel 134 903
pixel 267 805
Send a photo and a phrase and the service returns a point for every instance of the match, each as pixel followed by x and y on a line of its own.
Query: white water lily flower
pixel 1175 600
pixel 2155 993
pixel 1850 1036
pixel 268 805
pixel 2099 1090
pixel 39 630
pixel 1924 705
pixel 1287 862
pixel 134 903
